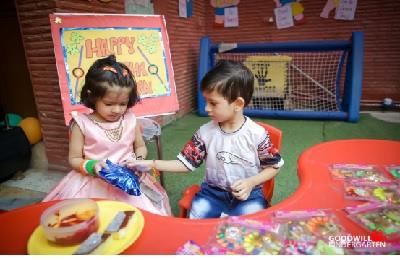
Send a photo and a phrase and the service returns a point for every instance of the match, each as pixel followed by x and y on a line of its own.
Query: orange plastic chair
pixel 268 187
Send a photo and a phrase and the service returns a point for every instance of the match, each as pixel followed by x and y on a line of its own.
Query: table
pixel 163 235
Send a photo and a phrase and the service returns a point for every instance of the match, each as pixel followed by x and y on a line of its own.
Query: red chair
pixel 268 188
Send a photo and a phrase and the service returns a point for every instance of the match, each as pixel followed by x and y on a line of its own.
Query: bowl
pixel 70 221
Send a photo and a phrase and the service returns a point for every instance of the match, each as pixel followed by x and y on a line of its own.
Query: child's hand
pixel 140 165
pixel 241 189
pixel 98 166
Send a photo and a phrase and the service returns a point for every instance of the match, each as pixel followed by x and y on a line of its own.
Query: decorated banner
pixel 140 42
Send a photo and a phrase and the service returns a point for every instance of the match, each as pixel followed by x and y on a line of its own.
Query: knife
pixel 96 239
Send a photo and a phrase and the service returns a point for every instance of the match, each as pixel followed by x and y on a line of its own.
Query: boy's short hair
pixel 231 79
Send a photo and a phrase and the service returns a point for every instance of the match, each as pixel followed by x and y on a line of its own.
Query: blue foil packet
pixel 121 177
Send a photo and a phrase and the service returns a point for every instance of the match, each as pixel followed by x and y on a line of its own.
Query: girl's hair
pixel 231 79
pixel 106 73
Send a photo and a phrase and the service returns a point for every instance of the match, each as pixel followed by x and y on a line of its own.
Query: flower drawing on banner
pixel 74 47
pixel 149 42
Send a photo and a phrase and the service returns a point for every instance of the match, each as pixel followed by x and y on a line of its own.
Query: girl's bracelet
pixel 87 167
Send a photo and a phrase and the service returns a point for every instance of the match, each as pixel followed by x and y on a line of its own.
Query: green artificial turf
pixel 298 135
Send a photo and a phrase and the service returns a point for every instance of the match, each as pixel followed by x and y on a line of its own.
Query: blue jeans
pixel 210 202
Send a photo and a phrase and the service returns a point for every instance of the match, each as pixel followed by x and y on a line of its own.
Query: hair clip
pixel 109 68
pixel 124 72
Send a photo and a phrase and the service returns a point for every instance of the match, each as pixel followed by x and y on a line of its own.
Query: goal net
pixel 316 80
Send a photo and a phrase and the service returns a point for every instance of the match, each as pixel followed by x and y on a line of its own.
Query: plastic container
pixel 71 221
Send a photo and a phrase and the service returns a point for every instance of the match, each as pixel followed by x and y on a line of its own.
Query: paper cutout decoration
pixel 270 74
pixel 140 42
pixel 297 8
pixel 138 7
pixel 185 8
pixel 231 17
pixel 346 10
pixel 284 17
pixel 219 11
pixel 329 6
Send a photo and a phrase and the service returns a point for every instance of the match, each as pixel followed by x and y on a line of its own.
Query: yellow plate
pixel 39 245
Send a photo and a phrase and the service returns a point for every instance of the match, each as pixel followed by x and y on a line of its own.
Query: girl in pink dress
pixel 110 132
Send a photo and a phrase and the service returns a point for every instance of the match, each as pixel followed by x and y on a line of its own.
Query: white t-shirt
pixel 230 156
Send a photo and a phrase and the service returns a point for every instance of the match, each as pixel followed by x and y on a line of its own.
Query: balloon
pixel 32 130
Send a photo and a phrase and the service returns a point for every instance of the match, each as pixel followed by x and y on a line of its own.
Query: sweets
pixel 71 221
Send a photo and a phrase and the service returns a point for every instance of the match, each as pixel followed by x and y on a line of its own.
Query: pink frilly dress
pixel 99 146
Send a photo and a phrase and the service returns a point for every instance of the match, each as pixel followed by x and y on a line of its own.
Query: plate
pixel 39 245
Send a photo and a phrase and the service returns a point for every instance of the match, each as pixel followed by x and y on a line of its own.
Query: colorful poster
pixel 231 17
pixel 346 10
pixel 80 39
pixel 283 17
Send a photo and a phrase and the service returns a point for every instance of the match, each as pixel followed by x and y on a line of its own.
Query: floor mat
pixel 13 203
pixel 393 117
pixel 36 180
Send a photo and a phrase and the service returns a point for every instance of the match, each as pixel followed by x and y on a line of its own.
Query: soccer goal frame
pixel 322 79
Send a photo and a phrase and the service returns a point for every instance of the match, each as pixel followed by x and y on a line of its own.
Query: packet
pixel 377 217
pixel 386 192
pixel 245 237
pixel 394 170
pixel 365 172
pixel 307 232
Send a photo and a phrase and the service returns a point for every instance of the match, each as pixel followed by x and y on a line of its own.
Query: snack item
pixel 71 221
pixel 116 230
pixel 121 177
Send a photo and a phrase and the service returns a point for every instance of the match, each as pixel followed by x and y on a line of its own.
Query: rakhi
pixel 322 225
pixel 230 237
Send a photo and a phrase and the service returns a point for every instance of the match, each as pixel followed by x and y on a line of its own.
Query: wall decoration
pixel 139 7
pixel 329 6
pixel 284 17
pixel 140 42
pixel 231 17
pixel 346 10
pixel 219 11
pixel 296 7
pixel 185 8
pixel 270 74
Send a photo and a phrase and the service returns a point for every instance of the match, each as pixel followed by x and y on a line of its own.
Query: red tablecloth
pixel 163 235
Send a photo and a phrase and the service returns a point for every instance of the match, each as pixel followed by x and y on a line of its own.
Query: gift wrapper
pixel 121 177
